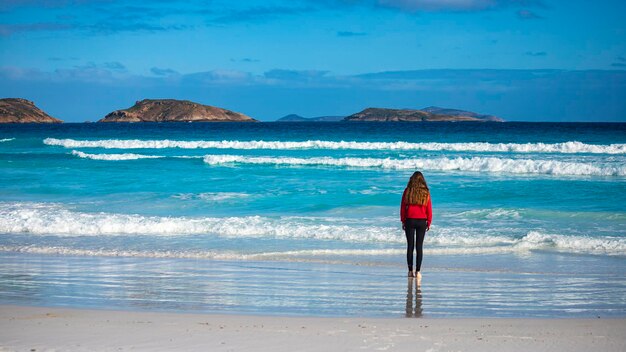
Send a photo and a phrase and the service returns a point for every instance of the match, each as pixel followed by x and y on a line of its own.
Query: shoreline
pixel 316 289
pixel 44 328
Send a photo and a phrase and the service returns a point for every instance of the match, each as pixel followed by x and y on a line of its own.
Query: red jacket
pixel 415 211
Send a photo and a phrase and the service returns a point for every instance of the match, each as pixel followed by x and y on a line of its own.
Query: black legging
pixel 414 229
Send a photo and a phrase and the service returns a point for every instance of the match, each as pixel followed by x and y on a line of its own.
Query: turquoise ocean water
pixel 303 218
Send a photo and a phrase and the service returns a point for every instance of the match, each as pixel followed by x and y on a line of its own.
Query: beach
pixel 50 329
pixel 288 237
pixel 278 175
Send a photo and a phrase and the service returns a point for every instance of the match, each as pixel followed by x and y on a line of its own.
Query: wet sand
pixel 25 328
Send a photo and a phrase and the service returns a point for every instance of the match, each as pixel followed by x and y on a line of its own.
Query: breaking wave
pixel 6 140
pixel 565 147
pixel 52 219
pixel 475 164
pixel 114 157
pixel 44 219
pixel 472 164
pixel 435 246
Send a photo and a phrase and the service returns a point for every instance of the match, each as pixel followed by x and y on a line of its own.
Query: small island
pixel 18 110
pixel 172 110
pixel 298 118
pixel 431 113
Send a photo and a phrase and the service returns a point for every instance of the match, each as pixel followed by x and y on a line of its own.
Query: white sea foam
pixel 577 244
pixel 324 255
pixel 474 164
pixel 114 157
pixel 52 219
pixel 370 191
pixel 565 147
pixel 6 140
pixel 219 255
pixel 34 219
pixel 435 245
pixel 497 213
pixel 212 196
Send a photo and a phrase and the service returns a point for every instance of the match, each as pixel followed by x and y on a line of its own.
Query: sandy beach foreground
pixel 42 329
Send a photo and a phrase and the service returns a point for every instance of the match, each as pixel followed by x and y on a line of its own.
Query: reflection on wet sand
pixel 413 311
pixel 303 289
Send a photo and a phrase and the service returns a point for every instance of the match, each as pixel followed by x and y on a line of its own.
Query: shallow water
pixel 451 287
pixel 527 216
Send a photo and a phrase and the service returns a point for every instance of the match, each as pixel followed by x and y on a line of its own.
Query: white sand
pixel 60 329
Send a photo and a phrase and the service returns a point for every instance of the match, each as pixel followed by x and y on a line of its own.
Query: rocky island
pixel 17 110
pixel 171 110
pixel 431 113
pixel 298 118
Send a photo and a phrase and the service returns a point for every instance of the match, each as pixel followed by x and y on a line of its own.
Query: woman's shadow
pixel 413 311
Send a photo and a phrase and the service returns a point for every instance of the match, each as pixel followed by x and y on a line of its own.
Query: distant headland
pixel 17 110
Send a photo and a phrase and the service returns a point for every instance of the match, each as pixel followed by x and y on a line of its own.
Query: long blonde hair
pixel 417 191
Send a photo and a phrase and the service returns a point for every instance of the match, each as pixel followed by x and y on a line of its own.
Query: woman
pixel 416 215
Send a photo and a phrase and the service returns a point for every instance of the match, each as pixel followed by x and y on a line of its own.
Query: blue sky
pixel 519 59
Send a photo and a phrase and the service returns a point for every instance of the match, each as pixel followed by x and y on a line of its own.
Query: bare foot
pixel 419 278
pixel 411 274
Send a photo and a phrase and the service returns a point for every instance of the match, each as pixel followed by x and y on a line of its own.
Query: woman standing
pixel 416 215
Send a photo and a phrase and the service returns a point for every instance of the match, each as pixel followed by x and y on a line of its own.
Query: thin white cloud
pixel 486 80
